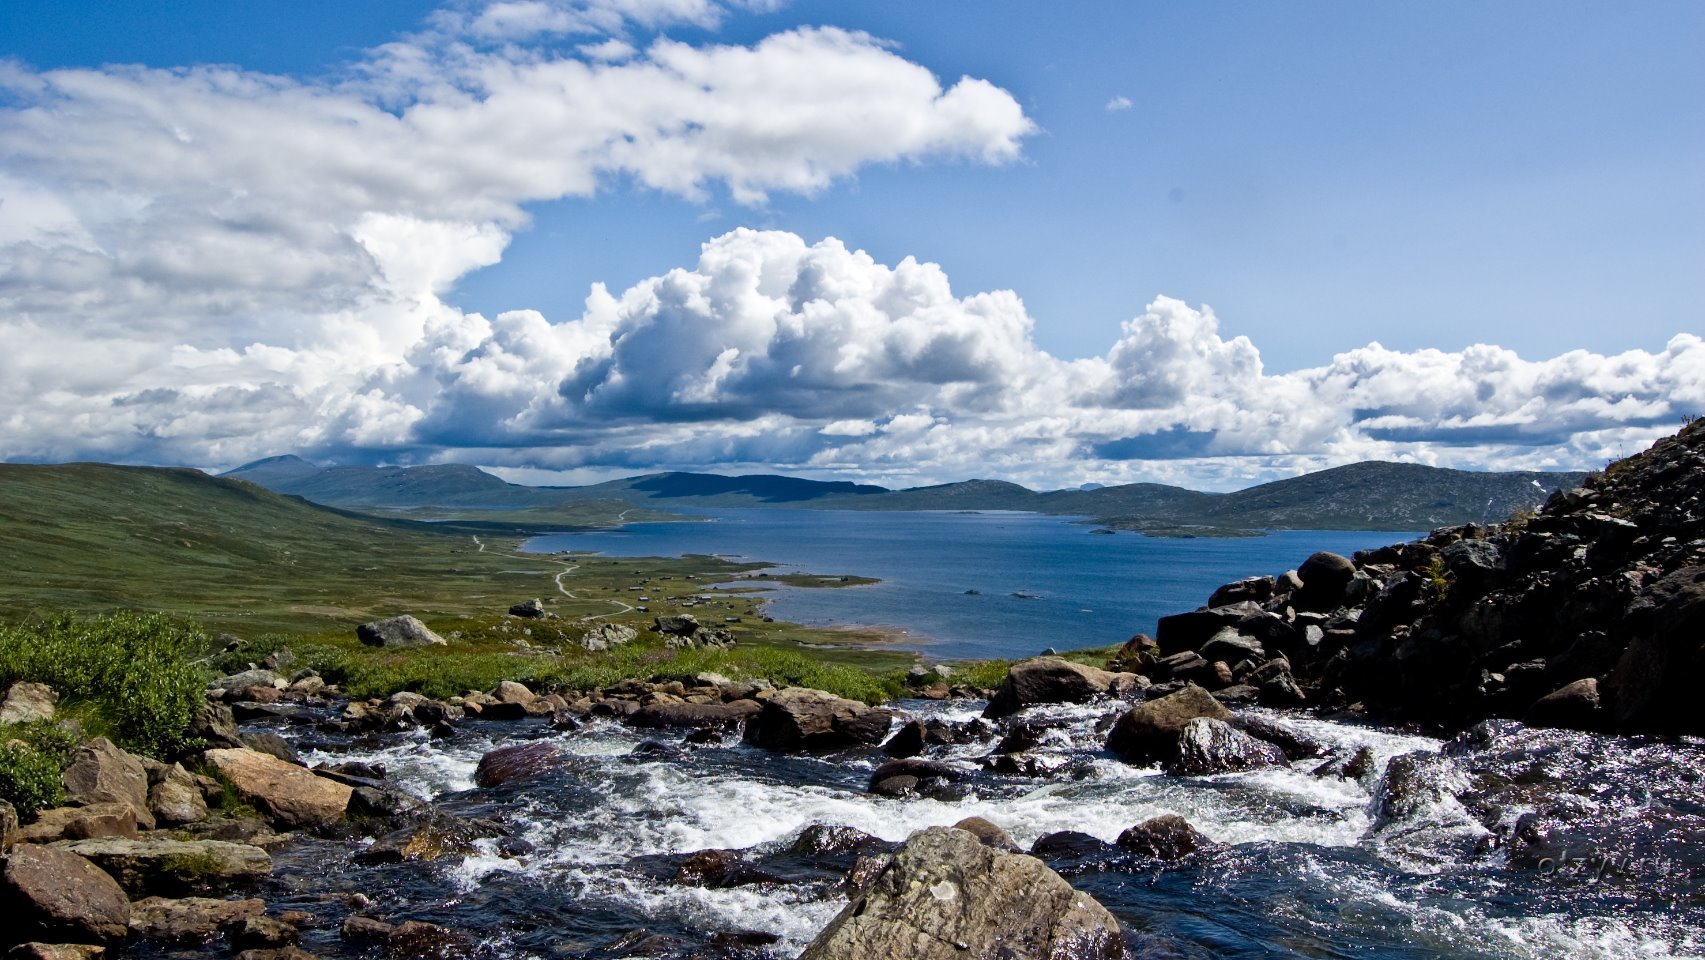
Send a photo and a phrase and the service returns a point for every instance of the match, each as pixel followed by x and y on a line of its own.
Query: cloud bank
pixel 208 265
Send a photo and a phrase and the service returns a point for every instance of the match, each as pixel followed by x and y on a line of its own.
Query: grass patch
pixel 132 675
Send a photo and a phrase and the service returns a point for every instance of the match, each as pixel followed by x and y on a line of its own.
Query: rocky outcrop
pixel 1055 680
pixel 27 702
pixel 604 636
pixel 799 718
pixel 403 631
pixel 50 894
pixel 1589 613
pixel 157 867
pixel 289 795
pixel 948 895
pixel 1148 733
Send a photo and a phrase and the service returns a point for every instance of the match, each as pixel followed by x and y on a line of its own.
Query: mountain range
pixel 1372 495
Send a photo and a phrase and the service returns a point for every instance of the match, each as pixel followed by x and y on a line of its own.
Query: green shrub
pixel 133 674
pixel 32 757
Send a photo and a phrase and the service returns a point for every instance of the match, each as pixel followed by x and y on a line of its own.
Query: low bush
pixel 132 676
pixel 32 757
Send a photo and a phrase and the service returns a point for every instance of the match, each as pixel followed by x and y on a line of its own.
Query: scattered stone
pixel 100 772
pixel 157 867
pixel 606 635
pixel 427 941
pixel 442 836
pixel 507 764
pixel 912 775
pixel 947 895
pixel 799 718
pixel 403 631
pixel 695 714
pixel 289 795
pixel 50 894
pixel 720 869
pixel 1148 733
pixel 1168 837
pixel 360 929
pixel 1054 680
pixel 27 702
pixel 1208 746
pixel 192 918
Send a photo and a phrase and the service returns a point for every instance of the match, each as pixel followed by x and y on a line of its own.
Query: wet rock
pixel 102 773
pixel 1575 706
pixel 158 867
pixel 56 951
pixel 27 702
pixel 1054 680
pixel 441 836
pixel 260 933
pixel 603 636
pixel 991 834
pixel 727 715
pixel 1068 845
pixel 427 941
pixel 1208 746
pixel 403 631
pixel 864 870
pixel 51 894
pixel 1168 837
pixel 1296 745
pixel 192 918
pixel 720 869
pixel 289 795
pixel 1148 733
pixel 799 718
pixel 1652 686
pixel 272 745
pixel 361 929
pixel 946 895
pixel 908 741
pixel 1416 785
pixel 912 775
pixel 514 762
pixel 276 953
pixel 528 609
pixel 823 838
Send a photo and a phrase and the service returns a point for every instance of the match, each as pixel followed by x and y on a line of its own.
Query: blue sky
pixel 1323 176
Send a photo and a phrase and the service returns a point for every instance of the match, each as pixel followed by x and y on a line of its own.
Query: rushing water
pixel 1039 581
pixel 1304 868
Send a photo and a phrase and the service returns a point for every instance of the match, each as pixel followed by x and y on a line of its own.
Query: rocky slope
pixel 1589 613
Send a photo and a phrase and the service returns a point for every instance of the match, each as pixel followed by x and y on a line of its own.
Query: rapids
pixel 1304 867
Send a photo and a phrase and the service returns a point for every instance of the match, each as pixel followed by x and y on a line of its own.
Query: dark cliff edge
pixel 1588 613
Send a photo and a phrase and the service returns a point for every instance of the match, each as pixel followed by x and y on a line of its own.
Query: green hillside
pixel 99 537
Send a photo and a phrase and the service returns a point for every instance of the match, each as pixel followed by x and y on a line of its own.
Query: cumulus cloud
pixel 1118 103
pixel 208 265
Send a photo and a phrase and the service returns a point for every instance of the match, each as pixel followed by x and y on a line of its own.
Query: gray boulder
pixel 102 773
pixel 516 761
pixel 175 798
pixel 51 894
pixel 1207 746
pixel 403 631
pixel 528 610
pixel 1055 680
pixel 678 625
pixel 948 895
pixel 1148 733
pixel 799 718
pixel 27 702
pixel 607 635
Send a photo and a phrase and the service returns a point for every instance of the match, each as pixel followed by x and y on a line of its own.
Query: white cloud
pixel 1119 103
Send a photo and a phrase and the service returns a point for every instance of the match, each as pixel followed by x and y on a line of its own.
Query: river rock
pixel 911 775
pixel 56 951
pixel 1167 837
pixel 403 631
pixel 289 795
pixel 827 838
pixel 441 836
pixel 260 933
pixel 1416 785
pixel 81 823
pixel 192 918
pixel 51 894
pixel 244 686
pixel 416 938
pixel 1148 732
pixel 800 718
pixel 27 702
pixel 1068 845
pixel 606 635
pixel 176 798
pixel 1055 680
pixel 992 834
pixel 1230 646
pixel 158 867
pixel 506 764
pixel 272 745
pixel 100 772
pixel 947 895
pixel 694 714
pixel 1575 705
pixel 215 725
pixel 1207 746
pixel 358 928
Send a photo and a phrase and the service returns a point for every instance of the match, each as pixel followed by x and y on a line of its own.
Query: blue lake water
pixel 1081 589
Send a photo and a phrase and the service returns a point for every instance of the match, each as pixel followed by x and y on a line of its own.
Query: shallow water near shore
pixel 982 584
pixel 1304 866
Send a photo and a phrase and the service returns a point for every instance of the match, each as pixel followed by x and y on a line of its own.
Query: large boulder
pixel 694 714
pixel 100 772
pixel 948 895
pixel 1055 680
pixel 1325 576
pixel 1188 631
pixel 26 702
pixel 175 798
pixel 192 918
pixel 1651 686
pixel 1575 705
pixel 528 609
pixel 403 631
pixel 676 625
pixel 1166 837
pixel 800 718
pixel 1148 732
pixel 289 795
pixel 51 894
pixel 607 635
pixel 515 761
pixel 81 823
pixel 156 867
pixel 1207 745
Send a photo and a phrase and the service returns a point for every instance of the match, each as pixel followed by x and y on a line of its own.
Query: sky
pixel 1206 244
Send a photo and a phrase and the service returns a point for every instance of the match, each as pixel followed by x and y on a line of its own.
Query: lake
pixel 1040 581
